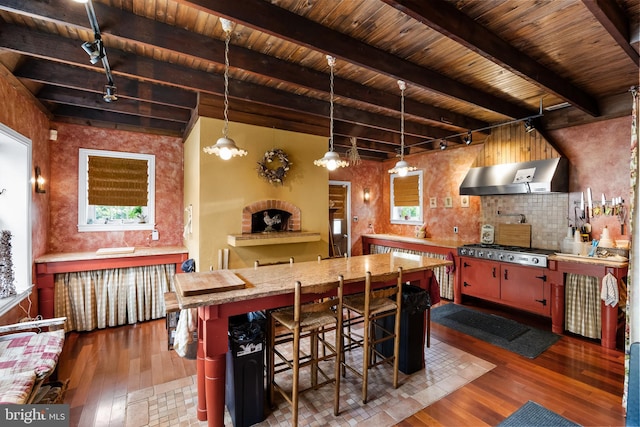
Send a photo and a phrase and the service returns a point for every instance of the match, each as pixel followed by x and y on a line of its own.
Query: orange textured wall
pixel 599 156
pixel 365 175
pixel 64 235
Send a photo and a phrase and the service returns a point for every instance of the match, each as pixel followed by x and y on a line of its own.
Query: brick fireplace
pixel 288 230
pixel 255 212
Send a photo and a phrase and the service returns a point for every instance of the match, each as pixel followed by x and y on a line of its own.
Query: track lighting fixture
pixel 468 139
pixel 110 93
pixel 466 136
pixel 95 50
pixel 528 126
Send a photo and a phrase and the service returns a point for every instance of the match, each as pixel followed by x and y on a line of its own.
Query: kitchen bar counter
pixel 67 262
pixel 408 242
pixel 439 248
pixel 271 287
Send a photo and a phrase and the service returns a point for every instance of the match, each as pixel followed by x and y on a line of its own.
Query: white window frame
pixel 392 205
pixel 16 188
pixel 83 195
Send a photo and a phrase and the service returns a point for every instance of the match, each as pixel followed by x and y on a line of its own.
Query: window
pixel 15 212
pixel 116 191
pixel 406 198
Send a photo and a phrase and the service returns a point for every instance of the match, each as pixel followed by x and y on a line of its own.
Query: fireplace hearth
pixel 270 220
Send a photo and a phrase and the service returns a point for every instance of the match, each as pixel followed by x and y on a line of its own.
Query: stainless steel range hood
pixel 538 176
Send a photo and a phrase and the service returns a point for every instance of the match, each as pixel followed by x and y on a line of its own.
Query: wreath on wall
pixel 274 166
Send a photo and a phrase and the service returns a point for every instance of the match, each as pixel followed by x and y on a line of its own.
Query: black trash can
pixel 244 391
pixel 415 301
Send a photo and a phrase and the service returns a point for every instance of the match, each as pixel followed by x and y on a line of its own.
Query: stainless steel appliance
pixel 511 254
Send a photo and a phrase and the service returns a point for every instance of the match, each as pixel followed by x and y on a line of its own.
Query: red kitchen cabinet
pixel 525 288
pixel 480 278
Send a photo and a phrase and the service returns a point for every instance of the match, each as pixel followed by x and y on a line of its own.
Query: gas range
pixel 513 254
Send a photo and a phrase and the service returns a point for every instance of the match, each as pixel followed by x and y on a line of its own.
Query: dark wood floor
pixel 575 378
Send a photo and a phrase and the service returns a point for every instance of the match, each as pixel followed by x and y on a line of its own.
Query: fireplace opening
pixel 270 220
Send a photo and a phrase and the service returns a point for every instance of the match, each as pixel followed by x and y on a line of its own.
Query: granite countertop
pixel 91 255
pixel 443 243
pixel 279 279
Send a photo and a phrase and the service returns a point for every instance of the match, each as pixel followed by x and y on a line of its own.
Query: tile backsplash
pixel 547 214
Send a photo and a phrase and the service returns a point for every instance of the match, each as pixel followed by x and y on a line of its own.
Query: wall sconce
pixel 366 195
pixel 39 182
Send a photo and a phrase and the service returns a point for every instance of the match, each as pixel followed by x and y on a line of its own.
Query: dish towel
pixel 609 292
pixel 450 268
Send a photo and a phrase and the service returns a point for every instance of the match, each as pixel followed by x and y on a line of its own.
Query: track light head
pixel 468 139
pixel 528 126
pixel 110 93
pixel 94 49
pixel 443 145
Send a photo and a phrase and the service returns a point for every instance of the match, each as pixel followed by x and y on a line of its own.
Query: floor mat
pixel 531 343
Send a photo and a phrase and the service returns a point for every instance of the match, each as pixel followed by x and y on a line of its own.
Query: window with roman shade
pixel 115 181
pixel 116 191
pixel 406 198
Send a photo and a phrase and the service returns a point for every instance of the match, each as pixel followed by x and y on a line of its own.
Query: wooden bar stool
pixel 382 298
pixel 316 312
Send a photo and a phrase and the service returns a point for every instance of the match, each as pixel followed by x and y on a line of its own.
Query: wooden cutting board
pixel 213 281
pixel 514 235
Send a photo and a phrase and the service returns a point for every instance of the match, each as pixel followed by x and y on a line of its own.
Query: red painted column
pixel 46 295
pixel 557 307
pixel 200 374
pixel 609 319
pixel 215 345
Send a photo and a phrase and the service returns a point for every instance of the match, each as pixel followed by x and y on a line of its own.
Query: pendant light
pixel 402 167
pixel 225 147
pixel 331 159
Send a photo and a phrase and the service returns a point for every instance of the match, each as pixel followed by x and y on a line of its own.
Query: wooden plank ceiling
pixel 468 64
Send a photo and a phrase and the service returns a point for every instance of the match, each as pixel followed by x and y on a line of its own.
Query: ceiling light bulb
pixel 443 145
pixel 225 148
pixel 81 1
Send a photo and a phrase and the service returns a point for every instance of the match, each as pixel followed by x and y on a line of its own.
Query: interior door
pixel 339 226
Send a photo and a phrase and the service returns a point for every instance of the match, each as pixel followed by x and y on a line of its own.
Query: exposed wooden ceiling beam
pixel 78 98
pixel 185 78
pixel 286 25
pixel 128 26
pixel 446 19
pixel 614 21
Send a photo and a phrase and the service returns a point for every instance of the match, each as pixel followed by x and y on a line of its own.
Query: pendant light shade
pixel 402 167
pixel 225 147
pixel 331 160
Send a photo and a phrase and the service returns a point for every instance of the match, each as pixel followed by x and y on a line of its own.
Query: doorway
pixel 339 214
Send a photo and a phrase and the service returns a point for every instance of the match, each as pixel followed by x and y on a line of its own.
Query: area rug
pixel 505 333
pixel 447 369
pixel 533 414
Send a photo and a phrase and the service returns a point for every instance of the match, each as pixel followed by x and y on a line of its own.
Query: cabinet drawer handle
pixel 543 277
pixel 542 301
pixel 465 284
pixel 464 264
pixel 506 274
pixel 494 272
